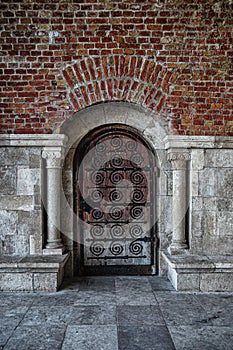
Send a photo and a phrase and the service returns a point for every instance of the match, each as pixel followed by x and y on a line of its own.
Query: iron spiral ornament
pixel 136 231
pixel 116 161
pixel 115 196
pixel 137 196
pixel 97 177
pixel 136 212
pixel 136 177
pixel 97 196
pixel 136 159
pixel 116 248
pixel 116 177
pixel 97 248
pixel 117 231
pixel 131 145
pixel 116 213
pixel 135 248
pixel 97 214
pixel 116 142
pixel 97 231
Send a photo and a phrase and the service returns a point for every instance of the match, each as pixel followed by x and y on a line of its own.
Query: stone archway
pixel 104 114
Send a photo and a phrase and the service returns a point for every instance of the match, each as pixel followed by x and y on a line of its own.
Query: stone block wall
pixel 211 225
pixel 21 206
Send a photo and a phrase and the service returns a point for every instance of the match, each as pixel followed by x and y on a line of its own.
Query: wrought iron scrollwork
pixel 97 248
pixel 117 231
pixel 116 177
pixel 97 231
pixel 116 248
pixel 137 177
pixel 116 213
pixel 116 205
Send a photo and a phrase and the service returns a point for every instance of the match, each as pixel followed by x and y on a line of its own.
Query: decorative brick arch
pixel 133 79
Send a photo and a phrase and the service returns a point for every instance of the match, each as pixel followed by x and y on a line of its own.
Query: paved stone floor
pixel 110 313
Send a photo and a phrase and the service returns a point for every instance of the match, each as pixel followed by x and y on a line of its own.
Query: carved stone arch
pixel 143 122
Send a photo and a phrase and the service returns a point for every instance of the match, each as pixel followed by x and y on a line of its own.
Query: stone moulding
pixel 180 141
pixel 28 140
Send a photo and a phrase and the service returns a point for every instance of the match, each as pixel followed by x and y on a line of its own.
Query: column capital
pixel 178 158
pixel 53 156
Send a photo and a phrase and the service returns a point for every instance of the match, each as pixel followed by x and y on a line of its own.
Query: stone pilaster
pixel 179 159
pixel 53 156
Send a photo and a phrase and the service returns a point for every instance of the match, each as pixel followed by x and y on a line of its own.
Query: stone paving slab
pixel 116 313
pixel 202 337
pixel 144 338
pixel 96 337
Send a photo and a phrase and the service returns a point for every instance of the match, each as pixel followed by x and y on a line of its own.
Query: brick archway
pixel 139 80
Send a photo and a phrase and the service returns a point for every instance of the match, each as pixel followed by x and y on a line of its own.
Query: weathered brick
pixel 196 58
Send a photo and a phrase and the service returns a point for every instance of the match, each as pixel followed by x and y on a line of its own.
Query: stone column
pixel 179 160
pixel 53 156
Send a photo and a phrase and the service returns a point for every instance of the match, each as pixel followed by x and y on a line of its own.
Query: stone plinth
pixel 32 273
pixel 200 272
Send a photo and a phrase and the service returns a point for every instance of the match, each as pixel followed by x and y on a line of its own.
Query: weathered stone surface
pixel 47 282
pixel 223 182
pixel 93 298
pixel 31 273
pixel 145 337
pixel 225 223
pixel 9 222
pixel 8 180
pixel 24 203
pixel 219 158
pixel 14 155
pixel 207 182
pixel 16 281
pixel 209 191
pixel 188 282
pixel 46 336
pixel 202 337
pixel 50 315
pixel 93 315
pixel 197 159
pixel 35 158
pixel 26 180
pixel 91 337
pixel 30 223
pixel 131 315
pixel 216 282
pixel 35 243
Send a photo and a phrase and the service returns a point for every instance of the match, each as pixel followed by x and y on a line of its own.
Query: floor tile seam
pixel 13 330
pixel 159 306
pixel 63 337
pixel 172 337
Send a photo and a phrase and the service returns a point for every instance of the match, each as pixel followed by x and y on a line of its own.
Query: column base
pixel 54 251
pixel 178 249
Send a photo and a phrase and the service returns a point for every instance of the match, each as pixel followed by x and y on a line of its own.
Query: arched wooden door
pixel 115 203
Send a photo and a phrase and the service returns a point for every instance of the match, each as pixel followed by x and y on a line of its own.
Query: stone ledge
pixel 184 141
pixel 32 273
pixel 212 273
pixel 33 140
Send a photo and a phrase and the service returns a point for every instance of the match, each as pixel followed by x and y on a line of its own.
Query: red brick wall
pixel 171 56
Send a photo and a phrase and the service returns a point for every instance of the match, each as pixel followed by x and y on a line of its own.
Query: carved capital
pixel 53 156
pixel 178 158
